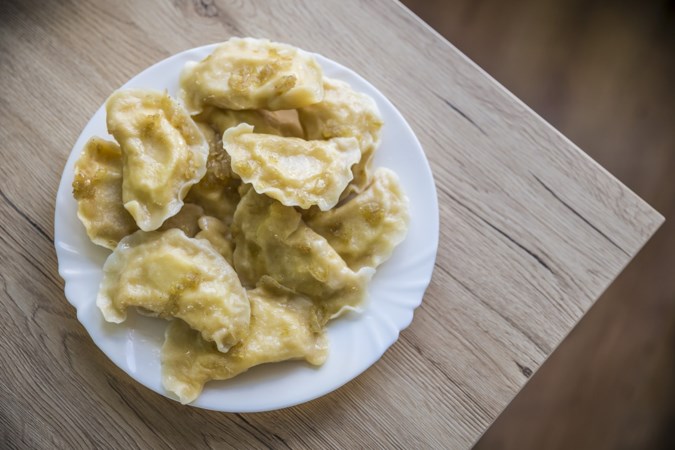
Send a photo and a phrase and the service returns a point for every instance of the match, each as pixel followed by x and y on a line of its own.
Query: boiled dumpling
pixel 216 192
pixel 294 171
pixel 172 275
pixel 97 187
pixel 218 235
pixel 280 123
pixel 343 112
pixel 366 229
pixel 252 74
pixel 271 239
pixel 163 150
pixel 284 326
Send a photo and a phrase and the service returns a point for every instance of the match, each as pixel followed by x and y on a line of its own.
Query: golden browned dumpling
pixel 217 191
pixel 163 150
pixel 365 230
pixel 186 220
pixel 294 171
pixel 252 74
pixel 343 112
pixel 280 123
pixel 172 275
pixel 284 326
pixel 271 239
pixel 97 187
pixel 218 235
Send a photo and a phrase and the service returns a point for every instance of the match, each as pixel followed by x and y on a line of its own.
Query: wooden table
pixel 532 231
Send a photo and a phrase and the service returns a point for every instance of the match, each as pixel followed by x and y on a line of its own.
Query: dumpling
pixel 343 112
pixel 163 150
pixel 97 187
pixel 365 230
pixel 186 220
pixel 284 326
pixel 217 191
pixel 294 171
pixel 271 239
pixel 172 275
pixel 218 235
pixel 280 123
pixel 252 74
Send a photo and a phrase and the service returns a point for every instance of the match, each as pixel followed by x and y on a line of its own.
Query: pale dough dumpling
pixel 218 235
pixel 252 74
pixel 97 187
pixel 271 239
pixel 217 191
pixel 294 171
pixel 284 326
pixel 343 112
pixel 163 150
pixel 281 123
pixel 366 229
pixel 172 275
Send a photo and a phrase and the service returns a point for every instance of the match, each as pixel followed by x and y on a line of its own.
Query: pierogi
pixel 280 123
pixel 271 239
pixel 252 74
pixel 217 192
pixel 174 276
pixel 163 153
pixel 343 112
pixel 97 187
pixel 365 230
pixel 284 326
pixel 294 171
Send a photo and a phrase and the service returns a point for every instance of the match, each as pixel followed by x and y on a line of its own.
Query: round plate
pixel 357 340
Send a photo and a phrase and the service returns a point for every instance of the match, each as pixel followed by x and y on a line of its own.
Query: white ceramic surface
pixel 357 340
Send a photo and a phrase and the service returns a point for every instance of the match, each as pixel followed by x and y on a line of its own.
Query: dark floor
pixel 603 73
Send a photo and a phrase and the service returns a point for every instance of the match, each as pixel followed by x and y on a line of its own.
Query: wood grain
pixel 601 73
pixel 532 231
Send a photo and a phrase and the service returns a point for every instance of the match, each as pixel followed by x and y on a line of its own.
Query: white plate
pixel 356 340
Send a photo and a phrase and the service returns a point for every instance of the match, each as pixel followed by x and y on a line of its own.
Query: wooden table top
pixel 532 231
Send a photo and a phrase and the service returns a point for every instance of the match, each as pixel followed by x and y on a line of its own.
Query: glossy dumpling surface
pixel 294 171
pixel 344 112
pixel 252 74
pixel 366 229
pixel 163 151
pixel 97 187
pixel 172 275
pixel 284 326
pixel 271 239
